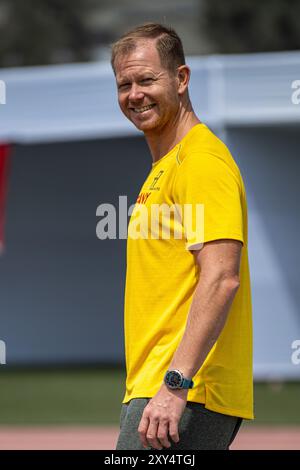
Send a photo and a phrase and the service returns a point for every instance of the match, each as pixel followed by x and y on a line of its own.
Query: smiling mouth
pixel 143 109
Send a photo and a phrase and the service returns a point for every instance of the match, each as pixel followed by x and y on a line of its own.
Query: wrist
pixel 187 371
pixel 180 392
pixel 174 379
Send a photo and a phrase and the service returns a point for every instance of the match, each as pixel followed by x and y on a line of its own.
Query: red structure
pixel 4 155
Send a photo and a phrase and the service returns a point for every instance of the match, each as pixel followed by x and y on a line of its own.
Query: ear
pixel 183 77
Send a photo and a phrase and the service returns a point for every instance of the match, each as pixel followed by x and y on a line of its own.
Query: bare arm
pixel 219 263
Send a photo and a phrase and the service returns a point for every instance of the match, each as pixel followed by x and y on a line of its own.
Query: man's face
pixel 147 91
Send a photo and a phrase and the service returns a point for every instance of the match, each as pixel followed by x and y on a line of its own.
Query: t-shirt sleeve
pixel 209 195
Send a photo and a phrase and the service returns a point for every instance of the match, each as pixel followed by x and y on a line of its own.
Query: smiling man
pixel 188 326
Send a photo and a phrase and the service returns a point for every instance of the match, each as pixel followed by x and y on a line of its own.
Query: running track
pixel 97 438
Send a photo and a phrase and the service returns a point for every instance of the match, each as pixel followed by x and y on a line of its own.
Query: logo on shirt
pixel 142 198
pixel 154 182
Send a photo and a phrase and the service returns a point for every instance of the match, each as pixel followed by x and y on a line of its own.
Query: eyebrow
pixel 142 76
pixel 122 82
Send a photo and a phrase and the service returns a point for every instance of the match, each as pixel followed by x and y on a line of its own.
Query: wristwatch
pixel 174 379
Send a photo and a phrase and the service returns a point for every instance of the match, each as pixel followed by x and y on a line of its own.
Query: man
pixel 188 330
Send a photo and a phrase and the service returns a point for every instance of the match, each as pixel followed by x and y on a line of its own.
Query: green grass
pixel 277 403
pixel 83 396
pixel 93 396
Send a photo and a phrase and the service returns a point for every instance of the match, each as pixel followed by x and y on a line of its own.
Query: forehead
pixel 144 57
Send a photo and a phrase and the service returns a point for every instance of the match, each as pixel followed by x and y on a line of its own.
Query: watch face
pixel 173 379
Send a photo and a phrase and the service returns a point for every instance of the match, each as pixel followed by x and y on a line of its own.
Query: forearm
pixel 207 316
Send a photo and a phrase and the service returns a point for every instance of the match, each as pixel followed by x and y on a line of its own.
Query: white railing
pixel 78 101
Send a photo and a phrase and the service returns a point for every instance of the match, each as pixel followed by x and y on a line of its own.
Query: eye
pixel 123 86
pixel 147 81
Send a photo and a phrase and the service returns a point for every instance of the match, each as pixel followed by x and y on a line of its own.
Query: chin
pixel 146 126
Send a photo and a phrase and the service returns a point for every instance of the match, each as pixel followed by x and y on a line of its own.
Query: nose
pixel 136 93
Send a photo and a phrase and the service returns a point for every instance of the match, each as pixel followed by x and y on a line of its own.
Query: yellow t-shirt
pixel 162 275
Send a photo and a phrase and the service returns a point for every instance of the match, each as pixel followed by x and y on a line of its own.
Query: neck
pixel 161 141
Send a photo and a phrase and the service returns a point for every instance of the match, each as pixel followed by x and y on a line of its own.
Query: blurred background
pixel 65 148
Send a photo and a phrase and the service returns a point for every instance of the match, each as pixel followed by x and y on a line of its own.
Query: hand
pixel 161 417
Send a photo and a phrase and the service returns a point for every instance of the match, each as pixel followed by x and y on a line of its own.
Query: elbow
pixel 225 281
pixel 231 283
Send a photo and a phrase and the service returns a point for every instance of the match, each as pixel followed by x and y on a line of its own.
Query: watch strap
pixel 187 383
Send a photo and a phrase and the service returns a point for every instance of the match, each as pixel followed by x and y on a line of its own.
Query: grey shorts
pixel 199 428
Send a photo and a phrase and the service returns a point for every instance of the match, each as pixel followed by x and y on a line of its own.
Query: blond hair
pixel 168 44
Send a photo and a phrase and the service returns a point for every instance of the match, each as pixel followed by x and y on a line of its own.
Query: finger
pixel 162 433
pixel 142 430
pixel 151 435
pixel 173 431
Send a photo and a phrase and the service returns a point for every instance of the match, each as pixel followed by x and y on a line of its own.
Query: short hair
pixel 168 44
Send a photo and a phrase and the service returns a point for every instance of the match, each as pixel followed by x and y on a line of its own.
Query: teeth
pixel 145 108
